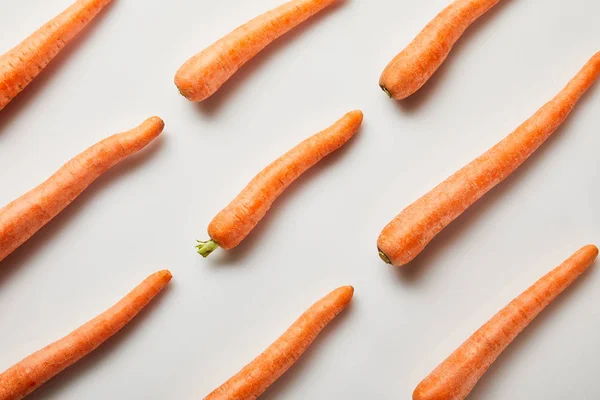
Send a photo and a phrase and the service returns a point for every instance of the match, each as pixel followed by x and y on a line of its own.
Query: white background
pixel 145 214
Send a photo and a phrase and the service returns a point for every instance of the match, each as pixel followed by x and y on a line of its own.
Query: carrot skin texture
pixel 33 371
pixel 264 370
pixel 22 218
pixel 20 65
pixel 237 220
pixel 413 67
pixel 410 232
pixel 203 74
pixel 459 373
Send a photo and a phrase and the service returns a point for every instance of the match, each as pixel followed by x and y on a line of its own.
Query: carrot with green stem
pixel 237 220
pixel 408 234
pixel 29 374
pixel 413 67
pixel 22 218
pixel 459 373
pixel 264 370
pixel 203 74
pixel 20 65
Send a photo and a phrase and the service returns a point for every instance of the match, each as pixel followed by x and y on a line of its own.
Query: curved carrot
pixel 410 69
pixel 408 234
pixel 458 374
pixel 264 370
pixel 203 74
pixel 29 374
pixel 238 219
pixel 22 218
pixel 20 65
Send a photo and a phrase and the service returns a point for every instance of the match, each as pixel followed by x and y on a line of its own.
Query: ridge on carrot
pixel 20 65
pixel 410 232
pixel 22 218
pixel 413 67
pixel 29 374
pixel 264 370
pixel 239 218
pixel 459 373
pixel 203 74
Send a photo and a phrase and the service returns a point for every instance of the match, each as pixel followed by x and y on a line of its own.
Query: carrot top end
pixel 205 248
pixel 384 257
pixel 386 91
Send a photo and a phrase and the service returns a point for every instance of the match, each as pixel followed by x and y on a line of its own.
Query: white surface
pixel 219 313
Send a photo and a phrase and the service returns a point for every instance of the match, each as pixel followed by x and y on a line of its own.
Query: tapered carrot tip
pixel 205 248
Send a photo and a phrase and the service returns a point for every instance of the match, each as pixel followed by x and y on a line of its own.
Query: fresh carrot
pixel 459 373
pixel 29 374
pixel 20 65
pixel 410 69
pixel 237 220
pixel 264 370
pixel 408 234
pixel 203 74
pixel 22 218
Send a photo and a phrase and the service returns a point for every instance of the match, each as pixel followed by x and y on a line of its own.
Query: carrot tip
pixel 384 257
pixel 386 91
pixel 205 248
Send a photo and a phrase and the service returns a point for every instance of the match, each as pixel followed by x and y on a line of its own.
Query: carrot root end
pixel 384 257
pixel 205 248
pixel 386 91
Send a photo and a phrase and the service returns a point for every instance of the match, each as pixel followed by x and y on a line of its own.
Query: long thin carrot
pixel 264 370
pixel 203 74
pixel 29 374
pixel 20 65
pixel 408 234
pixel 459 373
pixel 237 220
pixel 410 69
pixel 22 218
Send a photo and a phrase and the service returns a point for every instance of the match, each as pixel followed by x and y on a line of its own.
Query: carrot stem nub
pixel 386 91
pixel 384 257
pixel 205 248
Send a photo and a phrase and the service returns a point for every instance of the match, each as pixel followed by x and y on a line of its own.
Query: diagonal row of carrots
pixel 400 242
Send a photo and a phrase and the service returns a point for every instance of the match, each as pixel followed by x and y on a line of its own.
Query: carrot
pixel 22 218
pixel 203 74
pixel 237 220
pixel 20 65
pixel 408 234
pixel 459 373
pixel 29 374
pixel 413 67
pixel 265 369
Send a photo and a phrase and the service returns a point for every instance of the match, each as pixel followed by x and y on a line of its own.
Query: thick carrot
pixel 22 218
pixel 20 65
pixel 408 234
pixel 30 373
pixel 203 74
pixel 459 373
pixel 237 220
pixel 264 370
pixel 410 69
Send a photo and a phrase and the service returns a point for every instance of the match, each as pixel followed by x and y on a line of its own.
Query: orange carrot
pixel 203 74
pixel 458 374
pixel 408 234
pixel 22 218
pixel 237 220
pixel 30 373
pixel 265 369
pixel 20 65
pixel 410 69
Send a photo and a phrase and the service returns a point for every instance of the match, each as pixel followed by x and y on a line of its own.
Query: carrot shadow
pixel 17 106
pixel 86 365
pixel 510 355
pixel 284 384
pixel 214 103
pixel 23 255
pixel 444 240
pixel 254 239
pixel 416 100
